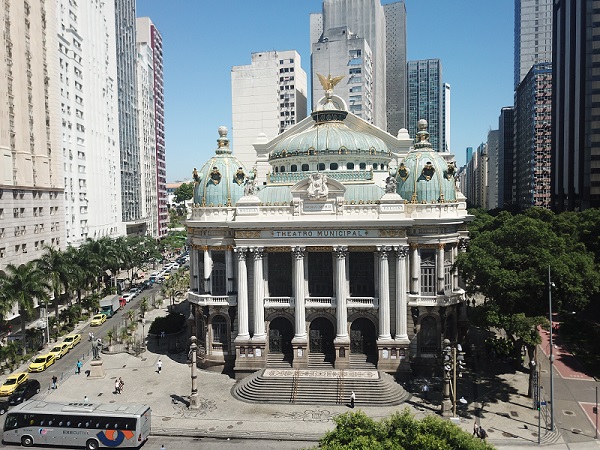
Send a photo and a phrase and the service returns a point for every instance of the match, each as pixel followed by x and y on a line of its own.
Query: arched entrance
pixel 281 333
pixel 363 337
pixel 321 336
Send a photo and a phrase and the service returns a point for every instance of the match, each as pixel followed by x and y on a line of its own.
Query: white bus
pixel 84 425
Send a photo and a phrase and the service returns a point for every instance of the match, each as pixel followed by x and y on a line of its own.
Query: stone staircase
pixel 320 361
pixel 285 386
pixel 279 360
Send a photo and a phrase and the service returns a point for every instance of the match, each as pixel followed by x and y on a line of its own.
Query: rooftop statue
pixel 329 82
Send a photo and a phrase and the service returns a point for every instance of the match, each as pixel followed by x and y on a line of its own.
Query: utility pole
pixel 550 285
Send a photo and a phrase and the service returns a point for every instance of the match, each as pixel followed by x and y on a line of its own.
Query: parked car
pixel 59 350
pixel 24 392
pixel 13 382
pixel 174 266
pixel 127 296
pixel 4 406
pixel 72 340
pixel 42 362
pixel 98 320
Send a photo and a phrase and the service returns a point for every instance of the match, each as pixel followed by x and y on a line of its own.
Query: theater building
pixel 337 247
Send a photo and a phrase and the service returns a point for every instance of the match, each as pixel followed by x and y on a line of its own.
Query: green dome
pixel 424 176
pixel 220 181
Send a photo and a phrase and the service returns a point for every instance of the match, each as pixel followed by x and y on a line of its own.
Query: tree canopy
pixel 184 192
pixel 401 431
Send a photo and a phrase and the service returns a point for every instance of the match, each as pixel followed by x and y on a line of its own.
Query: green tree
pixel 23 284
pixel 401 431
pixel 58 267
pixel 184 192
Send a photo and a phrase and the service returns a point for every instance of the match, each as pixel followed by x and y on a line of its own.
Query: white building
pixel 268 97
pixel 146 127
pixel 343 256
pixel 90 137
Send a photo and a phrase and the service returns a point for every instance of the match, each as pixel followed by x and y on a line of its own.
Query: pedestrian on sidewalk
pixel 158 366
pixel 121 384
pixel 482 434
pixel 117 387
pixel 475 429
pixel 78 367
pixel 91 336
pixel 85 400
pixel 162 447
pixel 54 380
pixel 352 399
pixel 425 391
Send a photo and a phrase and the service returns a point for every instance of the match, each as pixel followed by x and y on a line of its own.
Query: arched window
pixel 375 166
pixel 282 169
pixel 321 166
pixel 219 330
pixel 294 168
pixel 276 169
pixel 363 166
pixel 350 166
pixel 333 166
pixel 428 336
pixel 304 167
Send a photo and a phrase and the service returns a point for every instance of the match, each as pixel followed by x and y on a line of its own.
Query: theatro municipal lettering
pixel 319 233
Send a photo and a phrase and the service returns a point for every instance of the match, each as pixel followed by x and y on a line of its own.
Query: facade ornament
pixel 250 186
pixel 383 251
pixel 247 234
pixel 428 170
pixel 329 82
pixel 403 172
pixel 258 252
pixel 239 177
pixel 463 244
pixel 451 172
pixel 317 187
pixel 299 252
pixel 401 251
pixel 341 252
pixel 240 252
pixel 215 176
pixel 196 176
pixel 390 185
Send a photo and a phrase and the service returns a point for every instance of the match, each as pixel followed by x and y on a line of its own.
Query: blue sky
pixel 203 39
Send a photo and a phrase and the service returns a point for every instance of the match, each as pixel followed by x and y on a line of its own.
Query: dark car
pixel 3 406
pixel 24 392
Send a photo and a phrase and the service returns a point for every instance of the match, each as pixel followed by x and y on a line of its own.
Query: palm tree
pixel 57 266
pixel 87 268
pixel 23 284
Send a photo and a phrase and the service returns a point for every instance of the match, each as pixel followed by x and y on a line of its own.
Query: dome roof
pixel 220 181
pixel 330 136
pixel 424 176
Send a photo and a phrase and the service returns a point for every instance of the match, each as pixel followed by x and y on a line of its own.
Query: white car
pixel 127 296
pixel 174 266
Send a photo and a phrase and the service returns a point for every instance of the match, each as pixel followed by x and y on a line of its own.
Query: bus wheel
pixel 26 441
pixel 92 444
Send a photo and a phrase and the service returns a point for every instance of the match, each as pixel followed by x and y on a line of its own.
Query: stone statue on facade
pixel 390 185
pixel 317 186
pixel 250 187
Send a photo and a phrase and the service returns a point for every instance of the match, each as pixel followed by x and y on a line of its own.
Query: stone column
pixel 300 309
pixel 259 294
pixel 439 266
pixel 193 270
pixel 341 254
pixel 242 294
pixel 384 293
pixel 463 243
pixel 207 270
pixel 415 269
pixel 229 269
pixel 401 294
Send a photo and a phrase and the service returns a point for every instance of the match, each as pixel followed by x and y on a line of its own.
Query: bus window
pixel 12 422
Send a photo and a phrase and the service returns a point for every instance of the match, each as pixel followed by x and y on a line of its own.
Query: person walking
pixel 352 399
pixel 162 447
pixel 117 387
pixel 85 400
pixel 158 366
pixel 475 429
pixel 54 380
pixel 121 384
pixel 426 391
pixel 78 367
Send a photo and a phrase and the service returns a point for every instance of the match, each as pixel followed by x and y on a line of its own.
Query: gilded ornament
pixel 215 176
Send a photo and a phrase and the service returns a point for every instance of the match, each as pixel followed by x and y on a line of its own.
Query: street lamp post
pixel 448 356
pixel 550 286
pixel 453 366
pixel 194 400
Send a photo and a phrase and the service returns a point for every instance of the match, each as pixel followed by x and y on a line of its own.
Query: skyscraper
pixel 506 144
pixel 152 126
pixel 425 99
pixel 90 146
pixel 533 35
pixel 492 168
pixel 128 110
pixel 342 30
pixel 31 154
pixel 576 110
pixel 268 96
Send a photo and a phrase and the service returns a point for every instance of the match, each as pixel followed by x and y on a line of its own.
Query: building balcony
pixel 448 298
pixel 211 300
pixel 279 302
pixel 362 302
pixel 320 302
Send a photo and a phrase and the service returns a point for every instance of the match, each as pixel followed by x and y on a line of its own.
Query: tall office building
pixel 533 150
pixel 425 99
pixel 533 35
pixel 506 144
pixel 128 113
pixel 395 66
pixel 340 36
pixel 576 109
pixel 151 128
pixel 31 181
pixel 445 118
pixel 477 181
pixel 492 169
pixel 469 153
pixel 268 96
pixel 90 140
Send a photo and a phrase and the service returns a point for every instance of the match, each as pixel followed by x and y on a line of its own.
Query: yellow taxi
pixel 72 340
pixel 98 320
pixel 59 350
pixel 42 362
pixel 13 382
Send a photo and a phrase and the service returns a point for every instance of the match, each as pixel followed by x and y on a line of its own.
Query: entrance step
pixel 361 361
pixel 323 361
pixel 316 387
pixel 279 360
